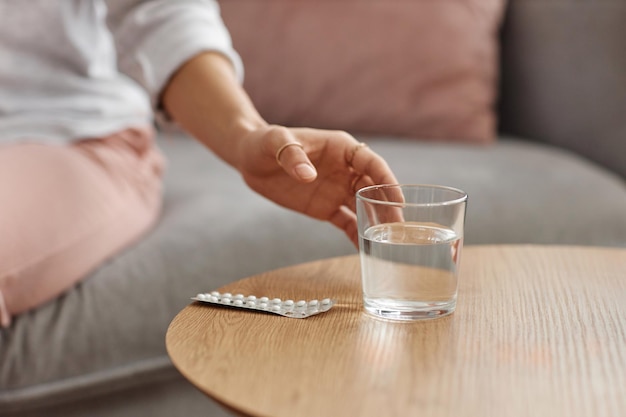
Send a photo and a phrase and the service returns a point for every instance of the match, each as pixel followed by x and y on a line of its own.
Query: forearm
pixel 205 98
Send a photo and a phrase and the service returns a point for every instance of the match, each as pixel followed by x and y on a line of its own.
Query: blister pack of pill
pixel 289 308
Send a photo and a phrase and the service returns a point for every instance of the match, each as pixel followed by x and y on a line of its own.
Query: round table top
pixel 538 330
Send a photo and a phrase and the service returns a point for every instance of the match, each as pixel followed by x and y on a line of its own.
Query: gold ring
pixel 285 146
pixel 356 148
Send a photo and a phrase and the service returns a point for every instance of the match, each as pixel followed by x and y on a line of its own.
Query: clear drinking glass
pixel 410 241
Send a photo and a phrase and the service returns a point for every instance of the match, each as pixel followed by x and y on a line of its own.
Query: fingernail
pixel 305 171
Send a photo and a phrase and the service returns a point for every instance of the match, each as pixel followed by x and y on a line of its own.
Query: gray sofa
pixel 555 176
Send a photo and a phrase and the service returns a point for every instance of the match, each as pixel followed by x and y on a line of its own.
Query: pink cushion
pixel 425 69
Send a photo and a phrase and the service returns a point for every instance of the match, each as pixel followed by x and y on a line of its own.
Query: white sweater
pixel 73 69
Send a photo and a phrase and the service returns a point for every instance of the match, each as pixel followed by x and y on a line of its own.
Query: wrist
pixel 237 137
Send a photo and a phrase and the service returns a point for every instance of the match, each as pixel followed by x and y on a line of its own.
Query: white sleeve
pixel 155 37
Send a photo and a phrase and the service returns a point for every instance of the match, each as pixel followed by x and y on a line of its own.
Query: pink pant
pixel 65 209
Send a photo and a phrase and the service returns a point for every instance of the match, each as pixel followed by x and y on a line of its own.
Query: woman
pixel 81 82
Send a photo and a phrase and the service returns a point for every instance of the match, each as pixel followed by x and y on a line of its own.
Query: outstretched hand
pixel 314 172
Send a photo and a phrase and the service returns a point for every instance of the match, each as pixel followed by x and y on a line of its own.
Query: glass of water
pixel 410 241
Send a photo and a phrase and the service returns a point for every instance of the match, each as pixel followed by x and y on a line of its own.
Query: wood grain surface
pixel 538 331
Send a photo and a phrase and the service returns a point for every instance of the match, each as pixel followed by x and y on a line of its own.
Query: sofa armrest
pixel 564 76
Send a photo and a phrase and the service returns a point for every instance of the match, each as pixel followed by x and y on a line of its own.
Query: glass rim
pixel 451 202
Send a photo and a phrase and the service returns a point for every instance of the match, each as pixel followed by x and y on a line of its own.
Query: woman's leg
pixel 65 209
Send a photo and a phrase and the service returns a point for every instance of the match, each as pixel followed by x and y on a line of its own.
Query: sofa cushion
pixel 108 332
pixel 522 192
pixel 423 69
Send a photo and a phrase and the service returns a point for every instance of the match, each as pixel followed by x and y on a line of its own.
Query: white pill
pixel 251 298
pixel 301 303
pixel 326 301
pixel 238 303
pixel 201 296
pixel 215 293
pixel 238 297
pixel 227 295
pixel 276 301
pixel 264 299
pixel 275 307
pixel 288 303
pixel 263 306
pixel 251 304
pixel 313 303
pixel 214 299
pixel 225 300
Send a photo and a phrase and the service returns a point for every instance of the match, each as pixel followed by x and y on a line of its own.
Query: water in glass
pixel 410 270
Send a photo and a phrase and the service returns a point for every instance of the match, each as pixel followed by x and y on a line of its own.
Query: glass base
pixel 408 311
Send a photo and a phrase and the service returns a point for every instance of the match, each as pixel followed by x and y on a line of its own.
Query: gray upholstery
pixel 564 76
pixel 99 350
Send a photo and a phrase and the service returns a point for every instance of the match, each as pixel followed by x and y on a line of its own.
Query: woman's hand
pixel 314 172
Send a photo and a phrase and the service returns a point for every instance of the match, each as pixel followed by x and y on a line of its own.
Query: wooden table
pixel 538 331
